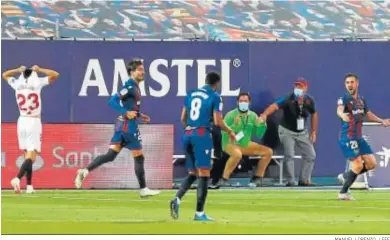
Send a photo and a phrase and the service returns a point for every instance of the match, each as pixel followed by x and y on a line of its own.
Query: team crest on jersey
pixel 207 151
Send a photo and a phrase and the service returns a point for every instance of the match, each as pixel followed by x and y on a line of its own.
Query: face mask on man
pixel 243 106
pixel 298 92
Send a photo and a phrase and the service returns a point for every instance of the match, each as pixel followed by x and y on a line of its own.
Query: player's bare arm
pixel 183 117
pixel 341 114
pixel 10 73
pixel 53 75
pixel 221 123
pixel 374 118
pixel 145 118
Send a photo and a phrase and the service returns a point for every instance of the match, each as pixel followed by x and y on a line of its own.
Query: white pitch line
pixel 256 202
pixel 218 221
pixel 263 191
pixel 89 220
pixel 221 190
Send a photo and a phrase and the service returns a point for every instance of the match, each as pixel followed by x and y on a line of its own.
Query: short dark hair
pixel 27 73
pixel 351 75
pixel 133 64
pixel 244 94
pixel 213 78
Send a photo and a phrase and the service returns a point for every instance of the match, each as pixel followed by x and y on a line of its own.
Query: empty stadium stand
pixel 205 20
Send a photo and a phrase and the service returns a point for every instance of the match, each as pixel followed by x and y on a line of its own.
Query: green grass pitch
pixel 237 211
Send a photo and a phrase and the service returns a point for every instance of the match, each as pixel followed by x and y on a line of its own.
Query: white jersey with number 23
pixel 28 98
pixel 28 94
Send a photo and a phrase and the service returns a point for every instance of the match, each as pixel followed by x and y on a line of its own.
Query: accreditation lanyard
pixel 244 123
pixel 300 120
pixel 300 106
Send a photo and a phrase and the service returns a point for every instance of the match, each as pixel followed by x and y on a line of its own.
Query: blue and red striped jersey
pixel 130 96
pixel 127 99
pixel 356 110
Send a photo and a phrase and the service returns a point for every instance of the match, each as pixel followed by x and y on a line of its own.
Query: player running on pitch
pixel 352 108
pixel 29 127
pixel 200 106
pixel 126 133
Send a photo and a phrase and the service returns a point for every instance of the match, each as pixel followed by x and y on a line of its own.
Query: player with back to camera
pixel 127 101
pixel 352 108
pixel 200 105
pixel 29 127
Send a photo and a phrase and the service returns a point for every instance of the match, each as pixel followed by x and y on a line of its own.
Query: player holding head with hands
pixel 28 88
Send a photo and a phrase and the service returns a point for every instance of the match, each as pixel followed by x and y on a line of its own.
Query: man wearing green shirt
pixel 245 123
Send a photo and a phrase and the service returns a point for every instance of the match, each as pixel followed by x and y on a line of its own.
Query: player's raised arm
pixel 10 73
pixel 340 110
pixel 51 74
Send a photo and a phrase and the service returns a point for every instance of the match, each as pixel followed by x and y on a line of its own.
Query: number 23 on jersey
pixel 28 102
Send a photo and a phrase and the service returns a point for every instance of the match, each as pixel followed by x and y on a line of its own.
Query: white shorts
pixel 29 133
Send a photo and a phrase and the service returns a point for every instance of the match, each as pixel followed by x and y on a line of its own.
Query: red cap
pixel 301 82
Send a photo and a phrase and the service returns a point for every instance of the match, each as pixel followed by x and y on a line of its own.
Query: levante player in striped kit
pixel 352 108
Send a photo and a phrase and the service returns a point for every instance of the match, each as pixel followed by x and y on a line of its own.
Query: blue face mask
pixel 298 92
pixel 243 106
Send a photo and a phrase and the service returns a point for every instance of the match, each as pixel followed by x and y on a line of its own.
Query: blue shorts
pixel 128 139
pixel 353 148
pixel 198 144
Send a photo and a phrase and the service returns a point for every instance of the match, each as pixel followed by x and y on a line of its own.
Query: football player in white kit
pixel 29 127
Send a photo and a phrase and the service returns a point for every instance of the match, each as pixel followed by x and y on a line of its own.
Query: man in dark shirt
pixel 297 106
